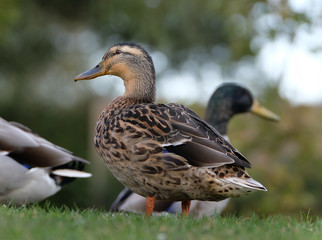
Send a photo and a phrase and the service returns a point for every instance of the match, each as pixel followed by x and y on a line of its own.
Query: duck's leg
pixel 185 206
pixel 149 206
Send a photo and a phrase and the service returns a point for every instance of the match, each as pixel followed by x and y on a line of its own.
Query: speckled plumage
pixel 228 99
pixel 136 135
pixel 164 151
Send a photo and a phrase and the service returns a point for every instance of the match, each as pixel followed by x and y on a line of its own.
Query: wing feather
pixel 27 147
pixel 181 131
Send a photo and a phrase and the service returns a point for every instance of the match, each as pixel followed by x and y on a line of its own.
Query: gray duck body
pixel 32 168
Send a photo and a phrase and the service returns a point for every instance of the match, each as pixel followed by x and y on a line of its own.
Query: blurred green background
pixel 195 46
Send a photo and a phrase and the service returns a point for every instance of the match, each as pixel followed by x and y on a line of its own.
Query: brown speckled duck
pixel 229 99
pixel 162 151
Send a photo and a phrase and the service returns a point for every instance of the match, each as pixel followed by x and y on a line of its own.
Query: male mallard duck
pixel 162 151
pixel 227 100
pixel 31 168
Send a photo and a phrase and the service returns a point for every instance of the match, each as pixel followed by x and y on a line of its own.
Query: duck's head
pixel 130 62
pixel 232 98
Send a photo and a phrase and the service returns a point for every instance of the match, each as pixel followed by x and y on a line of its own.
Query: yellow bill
pixel 263 112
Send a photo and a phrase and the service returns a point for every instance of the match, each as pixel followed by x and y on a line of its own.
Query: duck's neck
pixel 135 93
pixel 140 91
pixel 218 115
pixel 139 84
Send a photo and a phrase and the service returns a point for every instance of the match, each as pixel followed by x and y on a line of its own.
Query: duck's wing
pixel 26 147
pixel 207 148
pixel 129 201
pixel 181 131
pixel 121 198
pixel 13 138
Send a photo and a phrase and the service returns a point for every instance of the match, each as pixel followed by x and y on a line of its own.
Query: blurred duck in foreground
pixel 162 151
pixel 31 168
pixel 228 100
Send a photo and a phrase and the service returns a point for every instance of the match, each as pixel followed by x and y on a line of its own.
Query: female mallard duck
pixel 159 151
pixel 31 168
pixel 228 100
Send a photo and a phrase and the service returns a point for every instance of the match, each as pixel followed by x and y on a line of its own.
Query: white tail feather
pixel 247 183
pixel 71 173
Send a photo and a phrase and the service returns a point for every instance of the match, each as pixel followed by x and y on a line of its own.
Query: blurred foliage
pixel 44 44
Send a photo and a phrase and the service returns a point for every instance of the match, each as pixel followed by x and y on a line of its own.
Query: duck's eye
pixel 117 52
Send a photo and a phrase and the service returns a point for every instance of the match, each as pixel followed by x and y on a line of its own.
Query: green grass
pixel 53 223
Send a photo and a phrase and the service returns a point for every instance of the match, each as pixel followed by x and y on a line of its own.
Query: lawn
pixel 53 223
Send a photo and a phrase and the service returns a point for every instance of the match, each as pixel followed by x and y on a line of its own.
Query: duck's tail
pixel 71 173
pixel 247 184
pixel 68 172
